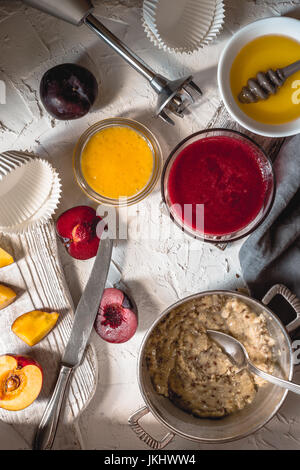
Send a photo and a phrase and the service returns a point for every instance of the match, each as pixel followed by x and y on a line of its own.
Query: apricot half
pixel 21 380
pixel 7 296
pixel 33 326
pixel 5 258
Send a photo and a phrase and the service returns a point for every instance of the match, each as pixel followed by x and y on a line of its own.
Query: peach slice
pixel 33 326
pixel 7 296
pixel 5 258
pixel 21 380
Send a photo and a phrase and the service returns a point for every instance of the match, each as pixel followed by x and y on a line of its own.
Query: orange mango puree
pixel 117 162
pixel 270 51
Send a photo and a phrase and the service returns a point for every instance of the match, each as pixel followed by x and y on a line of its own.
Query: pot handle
pixel 292 300
pixel 143 435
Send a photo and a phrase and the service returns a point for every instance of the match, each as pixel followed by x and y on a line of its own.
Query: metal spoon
pixel 266 83
pixel 239 356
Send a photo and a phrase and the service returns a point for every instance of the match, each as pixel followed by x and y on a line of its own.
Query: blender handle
pixel 143 435
pixel 115 43
pixel 72 11
pixel 292 299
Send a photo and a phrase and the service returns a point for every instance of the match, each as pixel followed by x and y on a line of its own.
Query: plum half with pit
pixel 68 91
pixel 78 231
pixel 116 321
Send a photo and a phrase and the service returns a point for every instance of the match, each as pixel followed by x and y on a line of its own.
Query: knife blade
pixel 88 306
pixel 83 323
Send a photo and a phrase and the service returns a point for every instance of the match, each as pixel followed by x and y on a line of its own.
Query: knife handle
pixel 45 434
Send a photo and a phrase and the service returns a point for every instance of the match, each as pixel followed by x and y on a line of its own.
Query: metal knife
pixel 83 323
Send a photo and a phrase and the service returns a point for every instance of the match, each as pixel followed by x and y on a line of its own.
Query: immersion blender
pixel 174 96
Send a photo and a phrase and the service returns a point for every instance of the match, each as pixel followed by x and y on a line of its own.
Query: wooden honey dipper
pixel 266 83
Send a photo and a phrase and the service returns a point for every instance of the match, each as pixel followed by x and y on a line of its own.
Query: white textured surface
pixel 158 272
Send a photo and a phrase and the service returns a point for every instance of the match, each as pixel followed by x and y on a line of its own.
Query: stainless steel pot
pixel 268 399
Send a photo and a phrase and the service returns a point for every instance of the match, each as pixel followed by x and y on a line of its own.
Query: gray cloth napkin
pixel 271 254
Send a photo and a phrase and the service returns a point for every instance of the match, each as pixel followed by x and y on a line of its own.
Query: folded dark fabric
pixel 271 254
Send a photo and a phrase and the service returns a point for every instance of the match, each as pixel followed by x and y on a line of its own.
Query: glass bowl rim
pixel 221 238
pixel 154 146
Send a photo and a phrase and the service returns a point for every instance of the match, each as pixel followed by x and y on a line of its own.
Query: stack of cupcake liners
pixel 182 26
pixel 30 191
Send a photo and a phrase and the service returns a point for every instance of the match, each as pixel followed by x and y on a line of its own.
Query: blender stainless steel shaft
pixel 174 96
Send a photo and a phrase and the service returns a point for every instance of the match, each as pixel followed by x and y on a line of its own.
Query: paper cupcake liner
pixel 182 26
pixel 29 192
pixel 152 37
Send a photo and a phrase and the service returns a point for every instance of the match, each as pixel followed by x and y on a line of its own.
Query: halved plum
pixel 116 321
pixel 76 228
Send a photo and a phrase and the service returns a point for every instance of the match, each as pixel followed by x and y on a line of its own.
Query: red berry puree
pixel 224 174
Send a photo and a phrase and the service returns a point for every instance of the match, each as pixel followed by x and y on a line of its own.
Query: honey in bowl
pixel 268 52
pixel 117 162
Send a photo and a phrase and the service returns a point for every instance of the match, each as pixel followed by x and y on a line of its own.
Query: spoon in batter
pixel 239 356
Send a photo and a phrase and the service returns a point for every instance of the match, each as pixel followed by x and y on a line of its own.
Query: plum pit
pixel 112 316
pixel 81 232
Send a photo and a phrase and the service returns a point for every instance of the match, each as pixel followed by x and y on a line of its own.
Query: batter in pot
pixel 191 369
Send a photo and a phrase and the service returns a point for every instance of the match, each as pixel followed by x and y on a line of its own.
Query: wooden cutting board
pixel 222 119
pixel 38 279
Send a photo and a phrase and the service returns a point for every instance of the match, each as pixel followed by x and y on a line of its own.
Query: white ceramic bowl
pixel 277 25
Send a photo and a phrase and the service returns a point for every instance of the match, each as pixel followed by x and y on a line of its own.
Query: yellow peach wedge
pixel 7 296
pixel 33 326
pixel 5 258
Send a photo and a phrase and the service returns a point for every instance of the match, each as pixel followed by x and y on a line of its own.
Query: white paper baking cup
pixel 30 191
pixel 152 37
pixel 182 25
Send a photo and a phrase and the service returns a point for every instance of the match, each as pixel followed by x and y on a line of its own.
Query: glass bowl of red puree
pixel 218 185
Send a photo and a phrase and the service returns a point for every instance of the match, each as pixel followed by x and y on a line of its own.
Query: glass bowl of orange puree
pixel 117 162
